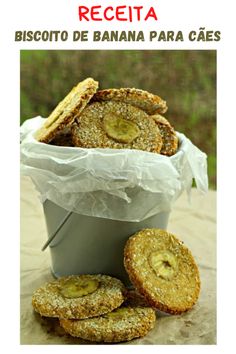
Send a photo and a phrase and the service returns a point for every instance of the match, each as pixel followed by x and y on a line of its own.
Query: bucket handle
pixel 50 238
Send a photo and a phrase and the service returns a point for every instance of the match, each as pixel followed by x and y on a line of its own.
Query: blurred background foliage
pixel 186 79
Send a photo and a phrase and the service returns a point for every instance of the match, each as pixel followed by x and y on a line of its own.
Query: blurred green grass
pixel 186 79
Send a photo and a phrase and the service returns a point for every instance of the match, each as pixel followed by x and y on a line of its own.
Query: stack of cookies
pixel 125 118
pixel 99 308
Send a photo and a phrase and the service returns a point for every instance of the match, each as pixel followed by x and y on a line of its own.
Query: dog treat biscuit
pixel 79 296
pixel 144 100
pixel 116 125
pixel 67 110
pixel 169 137
pixel 131 320
pixel 163 270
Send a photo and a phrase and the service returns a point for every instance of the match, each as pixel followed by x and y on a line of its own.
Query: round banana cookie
pixel 168 134
pixel 79 296
pixel 67 110
pixel 133 319
pixel 163 270
pixel 144 100
pixel 116 125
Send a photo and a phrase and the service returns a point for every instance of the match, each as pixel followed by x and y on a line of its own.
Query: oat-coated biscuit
pixel 168 134
pixel 163 270
pixel 79 296
pixel 116 125
pixel 67 110
pixel 131 320
pixel 144 100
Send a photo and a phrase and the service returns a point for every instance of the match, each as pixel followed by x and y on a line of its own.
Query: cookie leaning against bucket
pixel 163 270
pixel 168 134
pixel 144 100
pixel 67 110
pixel 79 296
pixel 116 125
pixel 133 319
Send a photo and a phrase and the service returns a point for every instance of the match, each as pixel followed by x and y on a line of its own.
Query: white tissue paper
pixel 127 185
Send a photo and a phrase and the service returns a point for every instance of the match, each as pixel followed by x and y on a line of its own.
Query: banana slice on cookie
pixel 164 264
pixel 132 320
pixel 79 287
pixel 163 270
pixel 120 129
pixel 116 125
pixel 79 296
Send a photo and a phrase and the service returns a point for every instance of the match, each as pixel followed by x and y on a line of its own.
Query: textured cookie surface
pixel 144 100
pixel 116 125
pixel 79 296
pixel 169 137
pixel 132 320
pixel 163 270
pixel 67 110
